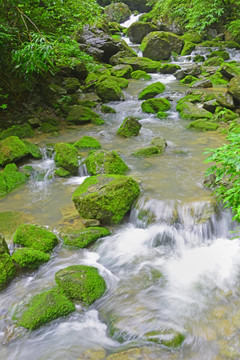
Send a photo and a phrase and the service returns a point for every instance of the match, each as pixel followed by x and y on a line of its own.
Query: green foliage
pixel 226 172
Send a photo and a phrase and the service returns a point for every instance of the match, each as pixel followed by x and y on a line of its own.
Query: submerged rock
pixel 44 308
pixel 151 91
pixel 106 197
pixel 85 237
pixel 159 142
pixel 35 237
pixel 129 127
pixel 171 339
pixel 81 283
pixel 105 162
pixel 66 156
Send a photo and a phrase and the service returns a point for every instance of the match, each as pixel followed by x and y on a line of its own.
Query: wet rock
pixel 199 58
pixel 105 197
pixel 109 90
pixel 33 150
pixel 105 162
pixel 118 12
pixel 71 84
pixel 3 245
pixel 158 45
pixel 81 283
pixel 142 63
pixel 115 28
pixel 10 178
pixel 210 105
pixel 10 220
pixel 140 75
pixel 234 87
pixel 44 308
pixel 123 71
pixel 129 127
pixel 108 109
pixel 214 61
pixel 86 143
pixel 147 151
pixel 61 172
pixel 138 30
pixel 189 79
pixel 220 53
pixel 79 114
pixel 93 355
pixel 153 106
pixel 169 68
pixel 12 149
pixel 190 111
pixel 205 83
pixel 86 237
pixel 67 157
pixel 159 142
pixel 230 70
pixel 194 70
pixel 7 269
pixel 26 258
pixel 35 237
pixel 171 339
pixel 202 125
pixel 151 91
pixel 226 100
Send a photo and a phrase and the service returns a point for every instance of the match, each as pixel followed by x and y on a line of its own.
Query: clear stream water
pixel 173 265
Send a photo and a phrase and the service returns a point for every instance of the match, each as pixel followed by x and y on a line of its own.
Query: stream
pixel 172 266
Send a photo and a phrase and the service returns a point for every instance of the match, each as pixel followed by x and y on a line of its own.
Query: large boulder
pixel 81 283
pixel 230 70
pixel 129 127
pixel 234 88
pixel 155 105
pixel 12 149
pixel 141 63
pixel 66 156
pixel 10 178
pixel 44 308
pixel 109 90
pixel 118 12
pixel 105 162
pixel 159 45
pixel 151 91
pixel 122 70
pixel 138 30
pixel 106 198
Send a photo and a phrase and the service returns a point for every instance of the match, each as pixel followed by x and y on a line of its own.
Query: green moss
pixel 190 111
pixel 10 178
pixel 199 58
pixel 129 127
pixel 87 142
pixel 48 128
pixel 189 79
pixel 87 103
pixel 142 63
pixel 109 91
pixel 159 142
pixel 169 68
pixel 148 151
pixel 151 90
pixel 12 149
pixel 10 220
pixel 44 308
pixel 67 156
pixel 7 269
pixel 105 162
pixel 79 114
pixel 218 79
pixel 120 81
pixel 108 109
pixel 170 339
pixel 61 172
pixel 140 75
pixel 85 237
pixel 21 131
pixel 188 48
pixel 122 71
pixel 220 53
pixel 192 37
pixel 27 258
pixel 35 237
pixel 224 115
pixel 3 245
pixel 33 150
pixel 162 115
pixel 214 61
pixel 155 105
pixel 202 125
pixel 105 197
pixel 81 283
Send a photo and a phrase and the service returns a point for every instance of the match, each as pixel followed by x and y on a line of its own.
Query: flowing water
pixel 172 266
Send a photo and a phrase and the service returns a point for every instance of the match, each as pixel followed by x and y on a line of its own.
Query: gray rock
pixel 205 83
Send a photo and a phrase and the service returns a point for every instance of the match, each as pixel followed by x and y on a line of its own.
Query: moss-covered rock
pixel 129 127
pixel 26 258
pixel 61 172
pixel 213 61
pixel 139 29
pixel 202 125
pixel 147 151
pixel 85 237
pixel 169 68
pixel 158 45
pixel 120 81
pixel 35 237
pixel 229 70
pixel 151 91
pixel 234 87
pixel 190 111
pixel 152 106
pixel 162 115
pixel 105 162
pixel 141 63
pixel 122 71
pixel 188 48
pixel 159 142
pixel 81 283
pixel 87 142
pixel 223 114
pixel 220 53
pixel 199 58
pixel 21 131
pixel 171 339
pixel 109 90
pixel 71 84
pixel 117 58
pixel 67 156
pixel 12 149
pixel 108 109
pixel 87 103
pixel 118 12
pixel 226 100
pixel 10 220
pixel 33 150
pixel 10 178
pixel 140 75
pixel 3 245
pixel 192 37
pixel 48 128
pixel 7 269
pixel 79 114
pixel 189 79
pixel 44 308
pixel 106 198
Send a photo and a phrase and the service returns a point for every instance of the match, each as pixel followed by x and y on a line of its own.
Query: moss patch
pixel 67 156
pixel 21 131
pixel 10 178
pixel 109 91
pixel 12 149
pixel 81 283
pixel 202 125
pixel 141 63
pixel 122 71
pixel 29 258
pixel 148 151
pixel 155 105
pixel 140 75
pixel 85 237
pixel 105 162
pixel 87 142
pixel 170 339
pixel 7 269
pixel 151 90
pixel 79 115
pixel 35 237
pixel 129 127
pixel 108 109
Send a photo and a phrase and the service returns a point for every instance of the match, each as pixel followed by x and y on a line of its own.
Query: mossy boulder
pixel 35 237
pixel 192 37
pixel 3 245
pixel 108 109
pixel 230 70
pixel 33 150
pixel 106 198
pixel 199 58
pixel 44 308
pixel 120 81
pixel 169 68
pixel 81 283
pixel 86 143
pixel 67 156
pixel 223 114
pixel 109 90
pixel 171 339
pixel 139 29
pixel 193 70
pixel 7 269
pixel 153 106
pixel 129 127
pixel 190 111
pixel 10 178
pixel 147 151
pixel 61 172
pixel 79 115
pixel 151 91
pixel 226 100
pixel 27 258
pixel 140 75
pixel 71 84
pixel 122 70
pixel 220 53
pixel 12 149
pixel 21 131
pixel 162 115
pixel 202 125
pixel 141 63
pixel 85 237
pixel 188 48
pixel 105 162
pixel 189 79
pixel 117 58
pixel 234 87
pixel 117 12
pixel 213 61
pixel 158 45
